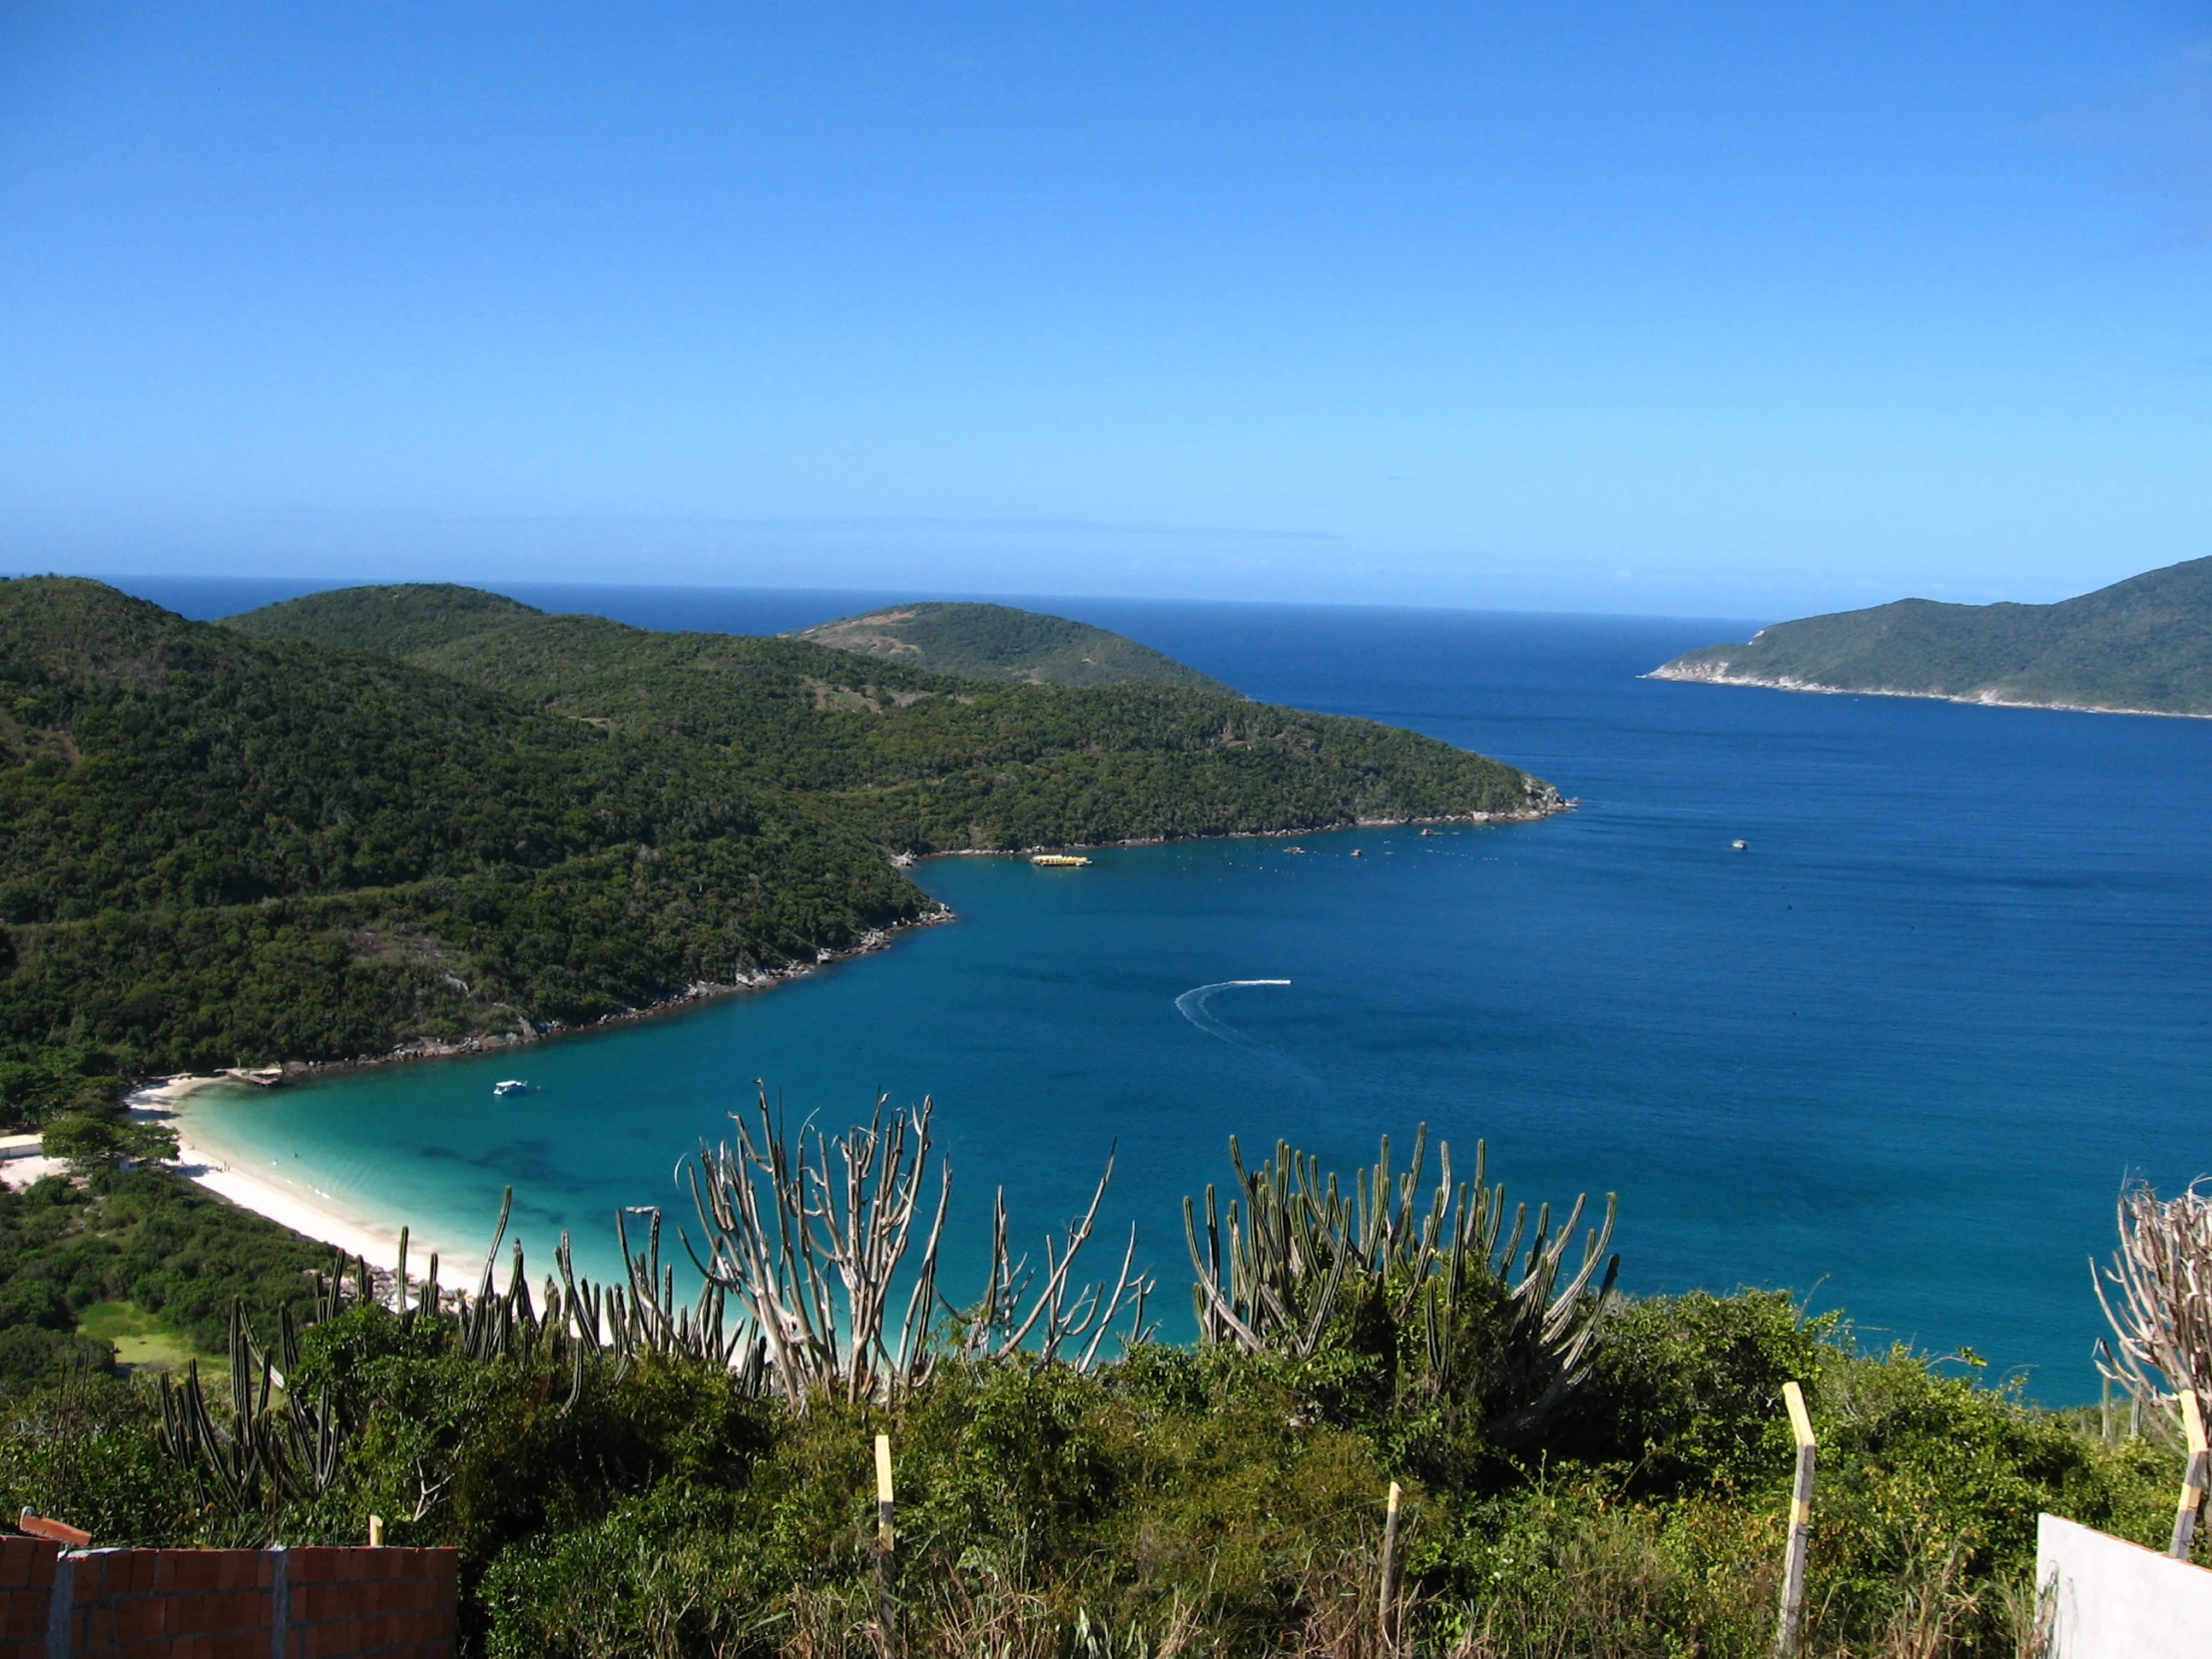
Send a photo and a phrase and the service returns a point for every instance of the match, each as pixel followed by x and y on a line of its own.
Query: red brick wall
pixel 171 1603
pixel 26 1581
pixel 219 1604
pixel 390 1603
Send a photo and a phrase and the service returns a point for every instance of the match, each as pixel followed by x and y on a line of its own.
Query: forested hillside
pixel 218 848
pixel 392 621
pixel 1003 642
pixel 2142 644
pixel 282 840
pixel 145 1240
pixel 923 763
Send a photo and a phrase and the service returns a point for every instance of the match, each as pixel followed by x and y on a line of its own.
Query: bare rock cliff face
pixel 1716 664
pixel 1543 799
pixel 1695 666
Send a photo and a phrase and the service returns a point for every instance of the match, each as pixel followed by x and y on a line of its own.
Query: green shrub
pixel 1687 1389
pixel 1179 1496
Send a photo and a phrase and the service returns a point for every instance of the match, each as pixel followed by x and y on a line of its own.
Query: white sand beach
pixel 311 1213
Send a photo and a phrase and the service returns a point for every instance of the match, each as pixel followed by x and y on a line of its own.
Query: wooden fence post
pixel 887 1602
pixel 1801 1525
pixel 1385 1604
pixel 2194 1476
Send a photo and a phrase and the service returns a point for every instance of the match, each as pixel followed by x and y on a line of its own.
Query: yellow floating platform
pixel 1058 860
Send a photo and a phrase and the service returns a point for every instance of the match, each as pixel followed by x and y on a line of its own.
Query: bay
pixel 1897 1054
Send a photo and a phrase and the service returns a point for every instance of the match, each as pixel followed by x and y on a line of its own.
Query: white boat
pixel 1738 846
pixel 513 1085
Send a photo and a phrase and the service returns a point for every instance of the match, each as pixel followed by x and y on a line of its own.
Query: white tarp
pixel 2117 1600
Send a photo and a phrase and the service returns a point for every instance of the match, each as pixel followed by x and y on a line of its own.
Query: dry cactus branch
pixel 813 1236
pixel 1062 1316
pixel 2160 1301
pixel 810 1234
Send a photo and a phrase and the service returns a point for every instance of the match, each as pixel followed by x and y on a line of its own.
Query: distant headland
pixel 1001 641
pixel 2142 646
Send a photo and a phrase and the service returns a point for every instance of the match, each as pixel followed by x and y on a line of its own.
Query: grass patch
pixel 146 1341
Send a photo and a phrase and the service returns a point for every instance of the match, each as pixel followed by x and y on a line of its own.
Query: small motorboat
pixel 512 1085
pixel 1739 845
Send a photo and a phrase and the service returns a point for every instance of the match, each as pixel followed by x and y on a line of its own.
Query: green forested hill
pixel 214 848
pixel 263 841
pixel 2145 644
pixel 391 620
pixel 925 762
pixel 1001 641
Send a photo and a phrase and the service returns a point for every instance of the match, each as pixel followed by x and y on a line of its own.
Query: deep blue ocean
pixel 1897 1055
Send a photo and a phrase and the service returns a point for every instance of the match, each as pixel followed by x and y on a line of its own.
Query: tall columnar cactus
pixel 574 1317
pixel 646 1318
pixel 810 1234
pixel 1296 1253
pixel 273 1449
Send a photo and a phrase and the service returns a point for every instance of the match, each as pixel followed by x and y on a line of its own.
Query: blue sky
pixel 1717 310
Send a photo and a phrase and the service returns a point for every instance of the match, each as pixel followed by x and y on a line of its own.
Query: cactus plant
pixel 1063 1322
pixel 271 1450
pixel 2160 1305
pixel 1296 1252
pixel 815 1235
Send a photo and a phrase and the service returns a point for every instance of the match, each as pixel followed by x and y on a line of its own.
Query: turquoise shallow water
pixel 1898 1053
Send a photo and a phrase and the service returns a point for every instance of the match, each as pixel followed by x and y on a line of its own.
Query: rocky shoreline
pixel 1717 674
pixel 1546 802
pixel 423 1048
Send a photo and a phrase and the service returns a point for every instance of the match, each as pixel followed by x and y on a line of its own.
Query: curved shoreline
pixel 1985 700
pixel 876 938
pixel 314 1214
pixel 310 1213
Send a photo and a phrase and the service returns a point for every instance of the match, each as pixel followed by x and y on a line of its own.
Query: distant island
pixel 1001 641
pixel 2142 646
pixel 406 817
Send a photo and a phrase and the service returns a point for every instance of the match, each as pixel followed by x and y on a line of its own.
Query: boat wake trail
pixel 1192 1006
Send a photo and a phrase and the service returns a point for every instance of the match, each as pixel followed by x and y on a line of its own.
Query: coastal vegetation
pixel 76 1253
pixel 1001 641
pixel 424 816
pixel 2143 644
pixel 625 1472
